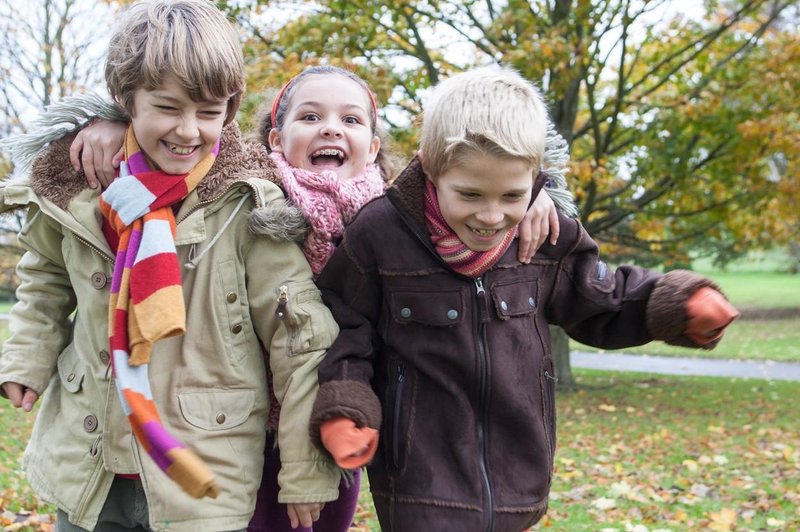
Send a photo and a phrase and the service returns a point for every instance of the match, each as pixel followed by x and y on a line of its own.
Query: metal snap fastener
pixel 452 313
pixel 405 312
pixel 90 423
pixel 504 305
pixel 99 280
pixel 220 418
pixel 531 302
pixel 236 329
pixel 231 297
pixel 70 377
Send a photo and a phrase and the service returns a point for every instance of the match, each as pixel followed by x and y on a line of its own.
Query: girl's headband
pixel 276 103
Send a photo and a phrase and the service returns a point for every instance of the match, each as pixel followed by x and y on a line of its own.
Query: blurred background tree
pixel 683 129
pixel 48 49
pixel 681 115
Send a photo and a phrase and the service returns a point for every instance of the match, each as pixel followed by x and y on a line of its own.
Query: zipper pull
pixel 283 302
pixel 401 372
pixel 479 286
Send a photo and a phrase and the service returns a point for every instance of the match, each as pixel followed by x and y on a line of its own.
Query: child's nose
pixel 187 128
pixel 331 129
pixel 490 216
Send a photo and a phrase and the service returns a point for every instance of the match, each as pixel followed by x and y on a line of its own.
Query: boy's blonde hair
pixel 190 39
pixel 485 111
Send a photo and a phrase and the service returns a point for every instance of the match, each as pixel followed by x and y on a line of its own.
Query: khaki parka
pixel 209 384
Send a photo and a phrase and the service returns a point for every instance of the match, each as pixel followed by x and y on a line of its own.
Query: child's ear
pixel 274 139
pixel 374 148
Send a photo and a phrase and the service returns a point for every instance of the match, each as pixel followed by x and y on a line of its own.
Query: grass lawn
pixel 635 452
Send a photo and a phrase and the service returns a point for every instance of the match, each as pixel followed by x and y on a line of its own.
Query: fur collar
pixel 53 177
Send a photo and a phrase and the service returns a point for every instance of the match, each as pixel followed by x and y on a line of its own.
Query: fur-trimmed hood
pixel 53 177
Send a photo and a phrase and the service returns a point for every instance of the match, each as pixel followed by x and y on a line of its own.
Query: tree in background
pixel 683 130
pixel 48 49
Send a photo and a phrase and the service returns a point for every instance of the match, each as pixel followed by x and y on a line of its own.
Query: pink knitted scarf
pixel 327 203
pixel 454 252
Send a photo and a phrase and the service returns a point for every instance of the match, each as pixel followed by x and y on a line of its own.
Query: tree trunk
pixel 559 346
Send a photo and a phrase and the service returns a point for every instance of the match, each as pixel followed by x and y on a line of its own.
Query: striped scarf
pixel 452 250
pixel 147 301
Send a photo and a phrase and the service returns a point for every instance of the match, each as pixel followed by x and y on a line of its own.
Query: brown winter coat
pixel 462 367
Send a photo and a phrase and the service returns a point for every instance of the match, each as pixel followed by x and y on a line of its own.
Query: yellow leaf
pixel 607 408
pixel 724 520
pixel 691 465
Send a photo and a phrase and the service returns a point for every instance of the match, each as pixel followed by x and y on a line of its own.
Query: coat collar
pixel 53 178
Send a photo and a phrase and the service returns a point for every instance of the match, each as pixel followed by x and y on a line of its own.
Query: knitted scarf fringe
pixel 556 159
pixel 59 119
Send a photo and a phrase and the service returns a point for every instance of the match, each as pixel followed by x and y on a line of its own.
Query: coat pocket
pixel 309 323
pixel 549 408
pixel 216 410
pixel 514 299
pixel 427 307
pixel 394 430
pixel 71 370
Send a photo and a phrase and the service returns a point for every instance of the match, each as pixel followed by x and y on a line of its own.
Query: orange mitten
pixel 350 446
pixel 708 313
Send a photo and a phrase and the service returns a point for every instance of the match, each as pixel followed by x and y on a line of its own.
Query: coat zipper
pixel 398 400
pixel 483 403
pixel 282 313
pixel 94 248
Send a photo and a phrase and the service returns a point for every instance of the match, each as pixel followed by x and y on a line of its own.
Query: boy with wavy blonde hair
pixel 143 310
pixel 445 333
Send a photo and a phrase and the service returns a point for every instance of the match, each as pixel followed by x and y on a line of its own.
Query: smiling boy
pixel 445 333
pixel 142 312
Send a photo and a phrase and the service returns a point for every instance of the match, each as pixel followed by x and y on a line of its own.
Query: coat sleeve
pixel 295 327
pixel 352 290
pixel 619 308
pixel 39 325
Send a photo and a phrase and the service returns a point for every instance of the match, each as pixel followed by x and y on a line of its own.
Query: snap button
pixel 90 423
pixel 104 357
pixel 244 189
pixel 70 377
pixel 504 305
pixel 405 312
pixel 99 280
pixel 531 302
pixel 236 329
pixel 220 418
pixel 452 313
pixel 231 297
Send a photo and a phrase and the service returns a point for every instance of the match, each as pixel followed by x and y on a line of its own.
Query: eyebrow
pixel 467 188
pixel 347 106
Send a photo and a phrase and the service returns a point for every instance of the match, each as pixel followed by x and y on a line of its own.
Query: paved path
pixel 687 366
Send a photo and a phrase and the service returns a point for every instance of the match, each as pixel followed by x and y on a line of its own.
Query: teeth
pixel 179 150
pixel 329 151
pixel 484 232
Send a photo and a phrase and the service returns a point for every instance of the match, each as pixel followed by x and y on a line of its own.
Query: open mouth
pixel 179 150
pixel 328 158
pixel 483 232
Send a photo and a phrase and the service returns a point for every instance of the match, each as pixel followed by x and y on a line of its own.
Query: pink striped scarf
pixel 327 202
pixel 454 252
pixel 146 301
